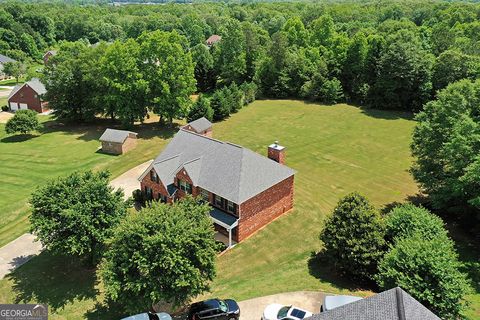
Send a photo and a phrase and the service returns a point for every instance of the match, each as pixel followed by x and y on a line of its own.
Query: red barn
pixel 28 96
pixel 245 189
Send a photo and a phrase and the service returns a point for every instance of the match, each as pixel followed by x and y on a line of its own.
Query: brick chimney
pixel 276 152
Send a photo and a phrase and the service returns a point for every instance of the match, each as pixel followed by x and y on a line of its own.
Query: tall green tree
pixel 446 146
pixel 201 108
pixel 204 68
pixel 429 270
pixel 232 56
pixel 166 253
pixel 353 237
pixel 125 88
pixel 169 69
pixel 453 65
pixel 354 69
pixel 75 214
pixel 14 69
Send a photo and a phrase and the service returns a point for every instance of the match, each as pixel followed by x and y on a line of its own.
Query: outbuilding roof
pixel 213 39
pixel 114 135
pixel 4 59
pixel 200 124
pixel 35 84
pixel 393 304
pixel 228 170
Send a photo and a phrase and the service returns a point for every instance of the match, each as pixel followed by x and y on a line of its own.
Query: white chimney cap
pixel 276 146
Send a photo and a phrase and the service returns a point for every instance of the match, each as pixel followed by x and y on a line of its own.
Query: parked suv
pixel 214 309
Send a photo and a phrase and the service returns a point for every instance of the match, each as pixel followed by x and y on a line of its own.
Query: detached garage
pixel 28 96
pixel 118 141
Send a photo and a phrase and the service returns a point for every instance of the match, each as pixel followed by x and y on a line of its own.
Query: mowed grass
pixel 28 161
pixel 335 150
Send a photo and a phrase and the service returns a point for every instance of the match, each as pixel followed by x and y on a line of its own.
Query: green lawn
pixel 335 149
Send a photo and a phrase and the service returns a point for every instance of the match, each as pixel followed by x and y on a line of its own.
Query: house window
pixel 230 206
pixel 154 176
pixel 204 195
pixel 218 201
pixel 185 186
pixel 148 193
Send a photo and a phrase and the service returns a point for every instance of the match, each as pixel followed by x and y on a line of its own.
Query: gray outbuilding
pixel 118 141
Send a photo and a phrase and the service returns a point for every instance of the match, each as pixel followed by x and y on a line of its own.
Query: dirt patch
pixel 4 116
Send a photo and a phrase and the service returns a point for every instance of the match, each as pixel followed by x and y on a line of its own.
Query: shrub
pixel 166 253
pixel 331 91
pixel 353 237
pixel 201 108
pixel 138 195
pixel 408 219
pixel 5 108
pixel 249 91
pixel 219 105
pixel 429 270
pixel 23 121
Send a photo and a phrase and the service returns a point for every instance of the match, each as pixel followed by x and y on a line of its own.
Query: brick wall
pixel 207 133
pixel 183 175
pixel 129 144
pixel 29 96
pixel 156 187
pixel 265 207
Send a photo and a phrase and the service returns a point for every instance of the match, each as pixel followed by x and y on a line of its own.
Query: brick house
pixel 28 96
pixel 201 126
pixel 246 190
pixel 48 55
pixel 118 141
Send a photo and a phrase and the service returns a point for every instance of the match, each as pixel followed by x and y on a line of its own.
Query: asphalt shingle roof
pixel 35 84
pixel 228 170
pixel 393 304
pixel 4 59
pixel 113 135
pixel 200 124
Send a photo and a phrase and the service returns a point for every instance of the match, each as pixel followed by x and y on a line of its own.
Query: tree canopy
pixel 164 253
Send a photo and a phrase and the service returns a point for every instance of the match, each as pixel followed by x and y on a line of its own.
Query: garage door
pixel 23 106
pixel 13 106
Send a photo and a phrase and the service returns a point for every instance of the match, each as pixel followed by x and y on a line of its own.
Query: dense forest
pixel 390 56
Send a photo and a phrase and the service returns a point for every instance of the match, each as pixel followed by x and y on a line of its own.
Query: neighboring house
pixel 28 95
pixel 48 55
pixel 213 39
pixel 246 190
pixel 118 141
pixel 4 59
pixel 201 126
pixel 393 304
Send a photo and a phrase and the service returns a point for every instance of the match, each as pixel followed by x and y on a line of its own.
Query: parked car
pixel 214 309
pixel 332 302
pixel 277 311
pixel 150 316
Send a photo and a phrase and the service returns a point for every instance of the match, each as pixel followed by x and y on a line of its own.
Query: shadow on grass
pixel 54 280
pixel 19 138
pixel 93 130
pixel 387 114
pixel 102 311
pixel 417 199
pixel 321 268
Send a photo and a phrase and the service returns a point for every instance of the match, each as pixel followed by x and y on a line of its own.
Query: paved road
pixel 4 116
pixel 128 181
pixel 18 252
pixel 308 300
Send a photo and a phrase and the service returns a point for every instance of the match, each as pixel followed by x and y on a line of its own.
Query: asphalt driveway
pixel 308 300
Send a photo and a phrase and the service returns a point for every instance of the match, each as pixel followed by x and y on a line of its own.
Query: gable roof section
pixel 4 59
pixel 201 124
pixel 228 170
pixel 393 304
pixel 35 84
pixel 213 39
pixel 113 135
pixel 52 52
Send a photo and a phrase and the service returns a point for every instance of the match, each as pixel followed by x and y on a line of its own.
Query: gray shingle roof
pixel 228 170
pixel 393 304
pixel 113 135
pixel 4 59
pixel 200 124
pixel 35 84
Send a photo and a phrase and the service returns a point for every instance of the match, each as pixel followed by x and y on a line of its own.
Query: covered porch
pixel 226 221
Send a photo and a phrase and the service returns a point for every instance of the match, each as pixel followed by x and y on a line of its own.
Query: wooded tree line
pixel 393 56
